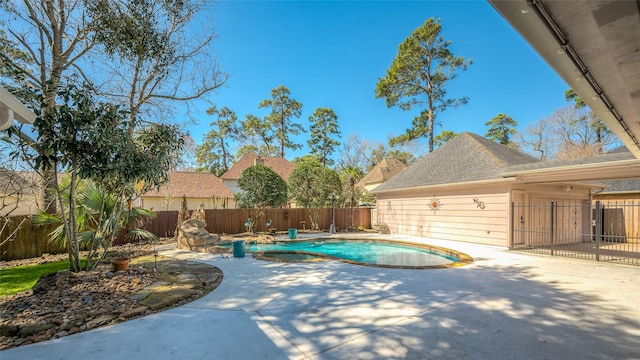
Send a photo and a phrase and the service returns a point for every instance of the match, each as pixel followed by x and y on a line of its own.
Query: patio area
pixel 505 305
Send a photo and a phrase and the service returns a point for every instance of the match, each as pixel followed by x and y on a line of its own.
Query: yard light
pixel 333 197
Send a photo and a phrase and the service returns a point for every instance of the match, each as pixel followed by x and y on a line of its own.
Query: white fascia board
pixel 440 186
pixel 19 111
pixel 610 165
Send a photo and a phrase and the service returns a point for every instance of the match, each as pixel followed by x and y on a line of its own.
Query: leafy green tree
pixel 283 109
pixel 418 77
pixel 349 177
pixel 324 124
pixel 257 137
pixel 351 194
pixel 382 152
pixel 55 39
pixel 405 157
pixel 378 154
pixel 570 95
pixel 251 149
pixel 91 140
pixel 214 155
pixel 153 57
pixel 443 137
pixel 12 58
pixel 150 59
pixel 501 128
pixel 311 184
pixel 262 188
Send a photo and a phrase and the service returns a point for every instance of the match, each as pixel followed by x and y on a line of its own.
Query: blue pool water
pixel 368 252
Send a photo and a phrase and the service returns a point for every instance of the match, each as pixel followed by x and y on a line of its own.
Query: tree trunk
pixel 47 194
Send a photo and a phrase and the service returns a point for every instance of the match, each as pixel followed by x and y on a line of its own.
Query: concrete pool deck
pixel 505 305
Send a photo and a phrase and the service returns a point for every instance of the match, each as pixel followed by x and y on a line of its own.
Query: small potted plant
pixel 120 263
pixel 132 221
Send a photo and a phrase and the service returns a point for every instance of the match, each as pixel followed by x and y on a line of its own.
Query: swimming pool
pixel 362 252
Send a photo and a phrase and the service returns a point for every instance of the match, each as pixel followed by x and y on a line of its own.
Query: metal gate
pixel 605 230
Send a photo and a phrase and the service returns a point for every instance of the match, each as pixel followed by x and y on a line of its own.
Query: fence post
pixel 553 207
pixel 599 219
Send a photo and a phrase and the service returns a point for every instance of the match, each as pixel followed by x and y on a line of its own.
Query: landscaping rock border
pixel 67 303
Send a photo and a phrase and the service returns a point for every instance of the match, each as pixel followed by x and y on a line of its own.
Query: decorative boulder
pixel 259 239
pixel 193 236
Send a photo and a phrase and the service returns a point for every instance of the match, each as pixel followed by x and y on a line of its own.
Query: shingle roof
pixel 192 185
pixel 13 181
pixel 467 157
pixel 619 149
pixel 280 165
pixel 617 155
pixel 384 171
pixel 620 186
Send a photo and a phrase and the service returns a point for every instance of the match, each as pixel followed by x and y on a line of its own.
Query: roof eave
pixel 537 24
pixel 625 192
pixel 449 185
pixel 591 166
pixel 20 111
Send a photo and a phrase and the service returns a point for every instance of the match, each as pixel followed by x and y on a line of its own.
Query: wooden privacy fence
pixel 232 221
pixel 29 241
pixel 621 220
pixel 164 224
pixel 33 241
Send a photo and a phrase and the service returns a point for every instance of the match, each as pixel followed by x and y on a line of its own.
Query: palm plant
pixel 100 218
pixel 350 176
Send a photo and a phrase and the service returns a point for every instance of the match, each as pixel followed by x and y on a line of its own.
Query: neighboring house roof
pixel 15 181
pixel 620 186
pixel 280 165
pixel 26 181
pixel 467 157
pixel 192 185
pixel 383 171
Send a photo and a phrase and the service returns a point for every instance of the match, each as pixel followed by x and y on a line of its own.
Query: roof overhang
pixel 427 188
pixel 593 46
pixel 11 108
pixel 613 170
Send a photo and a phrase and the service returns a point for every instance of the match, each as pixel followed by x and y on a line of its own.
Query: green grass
pixel 20 278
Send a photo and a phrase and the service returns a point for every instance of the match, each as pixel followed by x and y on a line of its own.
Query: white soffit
pixel 614 170
pixel 595 47
pixel 11 108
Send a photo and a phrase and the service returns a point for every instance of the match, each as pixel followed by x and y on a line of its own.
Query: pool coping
pixel 462 258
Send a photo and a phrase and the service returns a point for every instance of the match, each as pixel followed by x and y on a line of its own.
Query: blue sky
pixel 331 54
